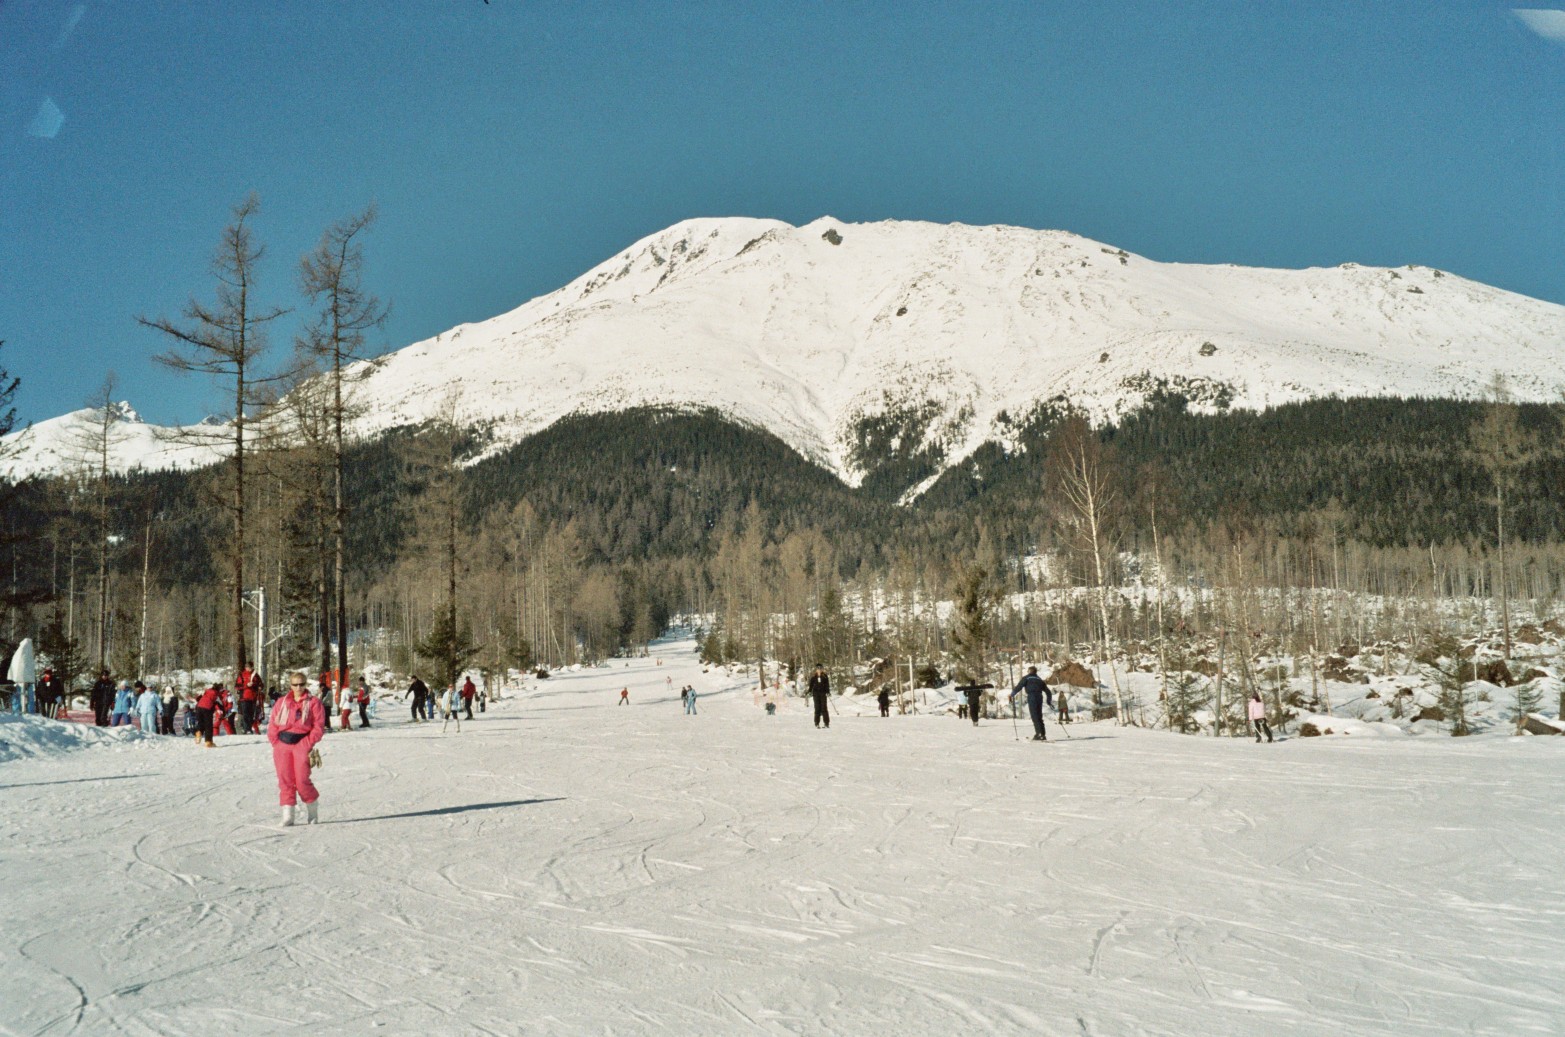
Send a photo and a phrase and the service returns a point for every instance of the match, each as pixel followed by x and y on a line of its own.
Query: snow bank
pixel 25 736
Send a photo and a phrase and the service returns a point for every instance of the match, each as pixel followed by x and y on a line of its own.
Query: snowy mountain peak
pixel 850 340
pixel 825 333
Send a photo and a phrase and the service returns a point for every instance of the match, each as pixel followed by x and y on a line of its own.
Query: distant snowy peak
pixel 850 339
pixel 859 343
pixel 71 443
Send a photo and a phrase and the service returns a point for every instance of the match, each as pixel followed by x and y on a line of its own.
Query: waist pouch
pixel 290 737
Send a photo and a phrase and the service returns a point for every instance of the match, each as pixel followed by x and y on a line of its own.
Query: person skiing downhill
pixel 1037 692
pixel 820 692
pixel 690 701
pixel 1258 716
pixel 298 722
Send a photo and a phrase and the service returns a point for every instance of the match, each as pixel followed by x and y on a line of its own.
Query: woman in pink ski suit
pixel 298 722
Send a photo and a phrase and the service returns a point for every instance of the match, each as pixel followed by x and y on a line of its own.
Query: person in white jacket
pixel 148 708
pixel 448 700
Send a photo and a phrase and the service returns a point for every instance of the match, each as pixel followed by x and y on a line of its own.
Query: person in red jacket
pixel 298 722
pixel 249 699
pixel 468 691
pixel 206 704
pixel 223 714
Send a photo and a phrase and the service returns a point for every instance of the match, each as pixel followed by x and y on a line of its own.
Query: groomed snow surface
pixel 566 865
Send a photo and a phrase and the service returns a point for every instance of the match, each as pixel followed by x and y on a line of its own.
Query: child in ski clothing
pixel 148 708
pixel 1258 717
pixel 298 722
pixel 624 697
pixel 124 705
pixel 223 715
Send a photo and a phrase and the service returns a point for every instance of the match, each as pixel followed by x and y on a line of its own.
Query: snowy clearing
pixel 569 866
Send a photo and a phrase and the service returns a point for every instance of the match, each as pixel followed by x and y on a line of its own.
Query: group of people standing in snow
pixel 448 702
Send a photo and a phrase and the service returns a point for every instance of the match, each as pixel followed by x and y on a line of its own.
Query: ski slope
pixel 565 865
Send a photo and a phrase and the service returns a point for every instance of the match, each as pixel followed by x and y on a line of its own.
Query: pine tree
pixel 226 340
pixel 977 597
pixel 449 647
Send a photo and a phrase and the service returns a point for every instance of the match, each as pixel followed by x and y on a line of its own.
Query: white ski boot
pixel 312 812
pixel 287 817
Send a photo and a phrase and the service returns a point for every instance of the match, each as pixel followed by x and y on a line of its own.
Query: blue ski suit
pixel 1037 692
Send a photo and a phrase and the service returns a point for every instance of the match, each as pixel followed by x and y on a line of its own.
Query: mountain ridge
pixel 851 340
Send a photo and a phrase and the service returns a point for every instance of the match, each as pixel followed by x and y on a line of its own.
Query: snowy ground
pixel 569 866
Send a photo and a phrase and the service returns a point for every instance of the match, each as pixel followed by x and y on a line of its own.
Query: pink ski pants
pixel 293 774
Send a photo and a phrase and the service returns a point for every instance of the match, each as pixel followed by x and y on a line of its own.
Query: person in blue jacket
pixel 148 708
pixel 1037 692
pixel 124 705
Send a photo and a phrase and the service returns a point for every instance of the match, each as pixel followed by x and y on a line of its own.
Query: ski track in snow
pixel 565 865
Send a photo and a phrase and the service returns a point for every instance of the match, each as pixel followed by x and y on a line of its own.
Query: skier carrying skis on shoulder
pixel 1037 692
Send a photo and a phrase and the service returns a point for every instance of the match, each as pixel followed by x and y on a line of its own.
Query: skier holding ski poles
pixel 1037 692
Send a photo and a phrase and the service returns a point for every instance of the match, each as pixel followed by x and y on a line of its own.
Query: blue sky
pixel 511 145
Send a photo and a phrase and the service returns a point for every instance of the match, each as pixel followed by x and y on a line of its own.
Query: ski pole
pixel 1016 734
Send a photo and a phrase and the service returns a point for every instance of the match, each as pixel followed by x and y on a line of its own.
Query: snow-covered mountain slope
pixel 848 339
pixel 71 442
pixel 809 331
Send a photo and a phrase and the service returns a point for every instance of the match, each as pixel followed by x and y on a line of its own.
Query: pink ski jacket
pixel 304 718
pixel 1257 710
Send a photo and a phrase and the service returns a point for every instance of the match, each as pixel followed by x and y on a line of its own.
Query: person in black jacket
pixel 51 693
pixel 820 691
pixel 884 699
pixel 420 692
pixel 102 699
pixel 1037 692
pixel 975 699
pixel 170 708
